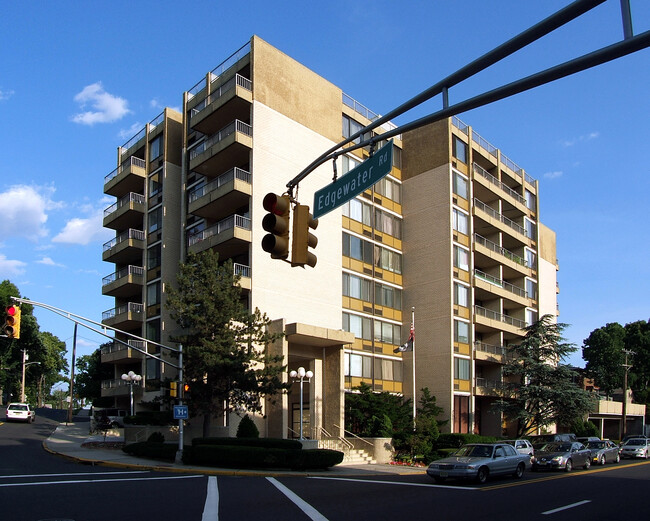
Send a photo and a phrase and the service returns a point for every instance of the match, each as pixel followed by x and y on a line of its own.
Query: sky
pixel 79 79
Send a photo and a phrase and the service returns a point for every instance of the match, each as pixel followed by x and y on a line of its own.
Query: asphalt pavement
pixel 73 441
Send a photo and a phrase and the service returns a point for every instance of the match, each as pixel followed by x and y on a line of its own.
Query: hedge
pixel 455 440
pixel 232 456
pixel 152 450
pixel 267 443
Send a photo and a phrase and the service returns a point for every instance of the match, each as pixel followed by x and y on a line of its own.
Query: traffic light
pixel 276 222
pixel 186 390
pixel 12 322
pixel 303 221
pixel 173 389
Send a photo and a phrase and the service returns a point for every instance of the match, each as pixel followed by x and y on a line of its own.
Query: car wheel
pixel 569 466
pixel 602 460
pixel 519 471
pixel 482 474
pixel 587 464
pixel 618 458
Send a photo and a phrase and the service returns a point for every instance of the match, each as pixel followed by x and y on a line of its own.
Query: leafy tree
pixel 89 373
pixel 224 345
pixel 365 411
pixel 637 340
pixel 545 391
pixel 603 351
pixel 53 364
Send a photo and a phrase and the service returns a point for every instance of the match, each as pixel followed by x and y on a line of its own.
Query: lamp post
pixel 301 374
pixel 131 378
pixel 22 385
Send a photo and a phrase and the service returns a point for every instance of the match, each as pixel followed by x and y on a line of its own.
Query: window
pixel 153 294
pixel 530 198
pixel 461 258
pixel 461 332
pixel 390 189
pixel 530 228
pixel 388 223
pixel 388 259
pixel 357 248
pixel 360 326
pixel 460 222
pixel 358 211
pixel 155 219
pixel 387 332
pixel 461 295
pixel 388 296
pixel 461 368
pixel 459 150
pixel 530 258
pixel 153 257
pixel 155 148
pixel 155 183
pixel 531 289
pixel 460 186
pixel 357 365
pixel 351 127
pixel 531 317
pixel 348 164
pixel 387 369
pixel 356 287
pixel 153 369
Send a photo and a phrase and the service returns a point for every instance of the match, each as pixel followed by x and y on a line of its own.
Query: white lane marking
pixel 310 511
pixel 73 474
pixel 566 507
pixel 77 481
pixel 211 508
pixel 405 483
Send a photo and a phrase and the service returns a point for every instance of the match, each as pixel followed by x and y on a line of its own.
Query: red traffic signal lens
pixel 11 310
pixel 186 387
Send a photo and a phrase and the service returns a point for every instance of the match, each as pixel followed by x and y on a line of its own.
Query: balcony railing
pixel 490 349
pixel 132 161
pixel 156 121
pixel 515 290
pixel 127 199
pixel 131 307
pixel 234 221
pixel 484 144
pixel 220 69
pixel 493 180
pixel 499 317
pixel 235 126
pixel 502 218
pixel 230 175
pixel 238 80
pixel 116 347
pixel 242 270
pixel 137 271
pixel 125 147
pixel 365 111
pixel 463 127
pixel 489 385
pixel 124 236
pixel 500 250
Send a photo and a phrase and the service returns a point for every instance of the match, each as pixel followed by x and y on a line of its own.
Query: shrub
pixel 455 440
pixel 268 443
pixel 156 437
pixel 247 428
pixel 157 451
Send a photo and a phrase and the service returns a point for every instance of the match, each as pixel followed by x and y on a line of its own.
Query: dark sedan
pixel 562 455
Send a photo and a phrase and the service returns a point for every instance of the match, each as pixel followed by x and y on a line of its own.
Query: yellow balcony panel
pixel 462 385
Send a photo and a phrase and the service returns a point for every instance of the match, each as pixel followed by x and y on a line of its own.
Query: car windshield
pixel 596 445
pixel 474 451
pixel 17 407
pixel 556 447
pixel 637 441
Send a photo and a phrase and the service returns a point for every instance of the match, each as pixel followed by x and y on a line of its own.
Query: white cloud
pixel 10 268
pixel 553 175
pixel 107 108
pixel 6 94
pixel 47 261
pixel 581 139
pixel 84 230
pixel 131 131
pixel 23 211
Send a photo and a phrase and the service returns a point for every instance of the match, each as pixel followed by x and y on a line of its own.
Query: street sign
pixel 355 181
pixel 181 412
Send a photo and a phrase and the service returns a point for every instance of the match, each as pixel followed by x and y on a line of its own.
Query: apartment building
pixel 453 231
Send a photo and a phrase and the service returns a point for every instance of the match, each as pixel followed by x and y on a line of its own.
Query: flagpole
pixel 414 397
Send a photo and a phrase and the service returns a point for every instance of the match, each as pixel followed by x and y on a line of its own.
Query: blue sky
pixel 78 79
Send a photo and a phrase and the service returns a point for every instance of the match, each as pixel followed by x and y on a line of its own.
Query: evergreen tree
pixel 225 353
pixel 637 340
pixel 542 390
pixel 603 352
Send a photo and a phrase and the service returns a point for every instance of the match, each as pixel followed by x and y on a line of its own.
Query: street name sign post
pixel 357 180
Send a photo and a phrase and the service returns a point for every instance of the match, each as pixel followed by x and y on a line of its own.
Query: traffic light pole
pixel 179 452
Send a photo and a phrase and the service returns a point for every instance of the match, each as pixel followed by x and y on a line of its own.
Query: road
pixel 36 485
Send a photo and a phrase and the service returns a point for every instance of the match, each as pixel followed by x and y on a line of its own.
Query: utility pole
pixel 627 367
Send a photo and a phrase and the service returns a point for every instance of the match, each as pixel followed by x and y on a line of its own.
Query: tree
pixel 637 340
pixel 603 352
pixel 544 391
pixel 226 359
pixel 89 373
pixel 366 410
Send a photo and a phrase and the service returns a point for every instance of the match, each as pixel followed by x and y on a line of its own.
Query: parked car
pixel 542 439
pixel 585 439
pixel 603 451
pixel 562 455
pixel 636 448
pixel 631 436
pixel 478 461
pixel 20 412
pixel 111 417
pixel 522 446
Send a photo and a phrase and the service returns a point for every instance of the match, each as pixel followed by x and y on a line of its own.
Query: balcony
pixel 491 182
pixel 222 196
pixel 494 286
pixel 130 176
pixel 128 212
pixel 494 219
pixel 125 248
pixel 488 253
pixel 490 353
pixel 244 273
pixel 118 387
pixel 127 316
pixel 230 237
pixel 486 387
pixel 230 146
pixel 124 283
pixel 227 102
pixel 118 352
pixel 487 320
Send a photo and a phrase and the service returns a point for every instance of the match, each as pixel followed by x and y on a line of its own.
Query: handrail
pixel 354 435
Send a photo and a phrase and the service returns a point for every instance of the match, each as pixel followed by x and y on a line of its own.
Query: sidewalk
pixel 72 440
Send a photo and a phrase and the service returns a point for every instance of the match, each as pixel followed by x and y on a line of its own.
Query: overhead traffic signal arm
pixel 12 321
pixel 276 222
pixel 303 239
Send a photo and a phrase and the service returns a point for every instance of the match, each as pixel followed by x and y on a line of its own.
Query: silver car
pixel 478 461
pixel 522 446
pixel 561 455
pixel 636 448
pixel 603 451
